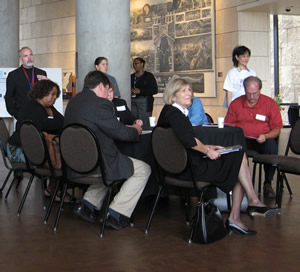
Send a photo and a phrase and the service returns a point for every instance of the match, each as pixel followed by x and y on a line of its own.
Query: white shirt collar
pixel 184 111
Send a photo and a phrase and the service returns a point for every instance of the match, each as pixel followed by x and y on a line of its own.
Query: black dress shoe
pixel 85 213
pixel 262 211
pixel 235 228
pixel 115 224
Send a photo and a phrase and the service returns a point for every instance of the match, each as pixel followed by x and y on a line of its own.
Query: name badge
pixel 121 108
pixel 260 117
pixel 50 117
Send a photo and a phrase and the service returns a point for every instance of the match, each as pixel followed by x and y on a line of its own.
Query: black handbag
pixel 208 225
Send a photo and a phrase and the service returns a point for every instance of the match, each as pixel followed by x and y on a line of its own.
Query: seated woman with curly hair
pixel 42 113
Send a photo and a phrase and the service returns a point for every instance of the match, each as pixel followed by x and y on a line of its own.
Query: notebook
pixel 228 149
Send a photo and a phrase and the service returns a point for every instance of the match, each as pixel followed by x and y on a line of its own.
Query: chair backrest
pixel 169 153
pixel 33 143
pixel 80 149
pixel 4 135
pixel 294 139
pixel 209 118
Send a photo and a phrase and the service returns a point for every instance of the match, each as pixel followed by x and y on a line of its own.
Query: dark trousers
pixel 270 146
pixel 139 108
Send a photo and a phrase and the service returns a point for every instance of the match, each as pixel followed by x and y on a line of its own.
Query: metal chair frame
pixel 12 167
pixel 170 165
pixel 36 164
pixel 97 163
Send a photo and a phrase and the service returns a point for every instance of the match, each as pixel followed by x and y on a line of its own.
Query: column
pixel 103 29
pixel 9 33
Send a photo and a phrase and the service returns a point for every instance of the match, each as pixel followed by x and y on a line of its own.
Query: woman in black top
pixel 143 87
pixel 40 111
pixel 228 172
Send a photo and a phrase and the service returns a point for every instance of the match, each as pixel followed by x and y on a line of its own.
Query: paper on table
pixel 228 149
pixel 210 125
pixel 251 137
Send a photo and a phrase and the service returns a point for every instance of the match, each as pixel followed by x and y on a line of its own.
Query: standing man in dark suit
pixel 20 81
pixel 92 108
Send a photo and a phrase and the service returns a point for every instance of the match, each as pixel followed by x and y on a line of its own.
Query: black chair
pixel 81 153
pixel 11 166
pixel 284 163
pixel 250 154
pixel 172 159
pixel 37 156
pixel 209 118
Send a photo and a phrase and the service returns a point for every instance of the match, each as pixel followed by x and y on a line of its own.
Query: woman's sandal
pixel 68 197
pixel 47 193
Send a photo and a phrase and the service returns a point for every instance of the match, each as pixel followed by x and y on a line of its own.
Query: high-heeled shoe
pixel 262 211
pixel 235 228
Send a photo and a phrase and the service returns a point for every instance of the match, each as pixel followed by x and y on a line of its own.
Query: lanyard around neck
pixel 31 84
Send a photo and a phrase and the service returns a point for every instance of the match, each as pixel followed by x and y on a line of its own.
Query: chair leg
pixel 281 192
pixel 288 185
pixel 106 211
pixel 6 179
pixel 43 193
pixel 279 188
pixel 187 207
pixel 51 202
pixel 25 195
pixel 259 178
pixel 62 197
pixel 253 174
pixel 153 209
pixel 228 197
pixel 9 188
pixel 18 184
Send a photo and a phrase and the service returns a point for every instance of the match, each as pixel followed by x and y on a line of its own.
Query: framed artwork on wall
pixel 176 38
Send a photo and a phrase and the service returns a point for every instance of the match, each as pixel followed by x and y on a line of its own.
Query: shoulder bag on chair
pixel 53 149
pixel 208 224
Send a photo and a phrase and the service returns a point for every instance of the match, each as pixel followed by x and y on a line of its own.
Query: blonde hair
pixel 174 85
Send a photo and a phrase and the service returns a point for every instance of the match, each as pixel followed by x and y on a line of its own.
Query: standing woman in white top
pixel 233 84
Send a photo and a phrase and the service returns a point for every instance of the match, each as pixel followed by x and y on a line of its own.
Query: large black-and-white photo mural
pixel 176 38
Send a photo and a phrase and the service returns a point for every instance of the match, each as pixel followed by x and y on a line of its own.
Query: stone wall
pixel 48 28
pixel 289 60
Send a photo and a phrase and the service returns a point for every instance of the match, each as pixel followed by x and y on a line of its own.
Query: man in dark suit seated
pixel 122 112
pixel 92 108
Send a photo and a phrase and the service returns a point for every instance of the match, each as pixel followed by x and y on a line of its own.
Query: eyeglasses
pixel 135 63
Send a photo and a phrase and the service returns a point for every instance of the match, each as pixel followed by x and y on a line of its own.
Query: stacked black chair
pixel 81 155
pixel 172 159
